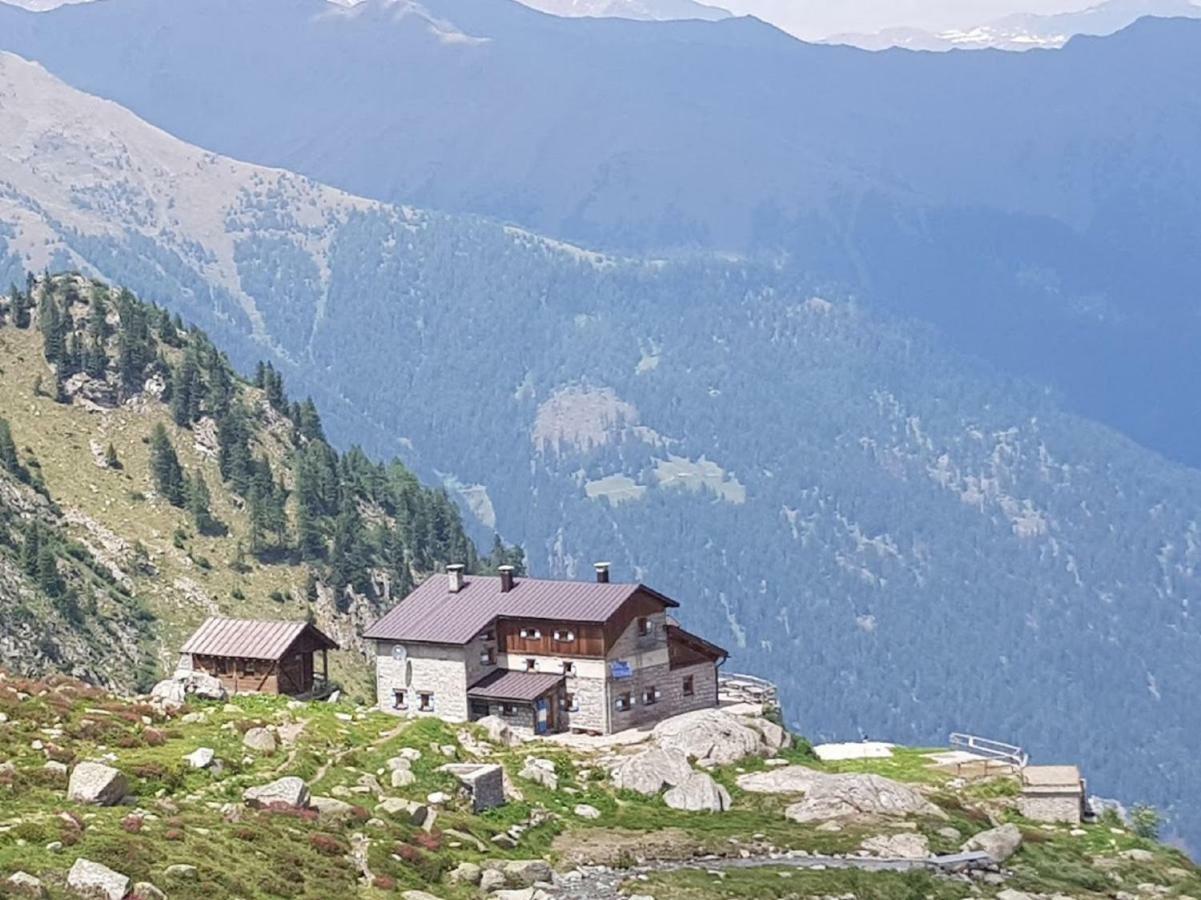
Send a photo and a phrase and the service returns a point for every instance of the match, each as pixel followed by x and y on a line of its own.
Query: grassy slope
pixel 197 818
pixel 123 501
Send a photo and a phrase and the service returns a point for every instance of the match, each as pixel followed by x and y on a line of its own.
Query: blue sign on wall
pixel 620 669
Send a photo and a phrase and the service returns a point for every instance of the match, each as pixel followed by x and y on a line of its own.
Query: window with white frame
pixel 531 634
pixel 508 709
pixel 689 686
pixel 531 664
pixel 568 668
pixel 400 700
pixel 645 626
pixel 564 636
pixel 425 701
pixel 650 696
pixel 625 702
pixel 488 656
pixel 570 703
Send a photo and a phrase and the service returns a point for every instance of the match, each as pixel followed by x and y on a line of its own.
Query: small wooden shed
pixel 254 656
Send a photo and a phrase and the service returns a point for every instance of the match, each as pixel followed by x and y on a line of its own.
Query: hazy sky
pixel 819 18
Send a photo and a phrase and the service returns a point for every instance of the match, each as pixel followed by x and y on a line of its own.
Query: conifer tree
pixel 200 503
pixel 8 450
pixel 164 466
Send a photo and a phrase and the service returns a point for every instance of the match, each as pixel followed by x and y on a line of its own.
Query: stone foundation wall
pixel 1057 808
pixel 521 719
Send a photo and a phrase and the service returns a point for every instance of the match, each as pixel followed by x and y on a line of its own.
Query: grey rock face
pixel 698 793
pixel 200 758
pixel 907 845
pixel 712 737
pixel 527 872
pixel 839 796
pixel 91 879
pixel 290 791
pixel 97 784
pixel 999 843
pixel 260 740
pixel 540 771
pixel 651 770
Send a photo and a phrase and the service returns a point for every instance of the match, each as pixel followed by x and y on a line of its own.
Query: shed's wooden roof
pixel 252 638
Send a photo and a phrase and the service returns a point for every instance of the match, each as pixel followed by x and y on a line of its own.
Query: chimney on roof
pixel 454 577
pixel 506 578
pixel 602 572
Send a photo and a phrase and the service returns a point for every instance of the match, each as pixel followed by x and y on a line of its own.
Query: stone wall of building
pixel 439 669
pixel 592 704
pixel 521 718
pixel 1061 808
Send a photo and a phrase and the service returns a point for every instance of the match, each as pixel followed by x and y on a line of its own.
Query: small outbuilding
pixel 1052 794
pixel 254 656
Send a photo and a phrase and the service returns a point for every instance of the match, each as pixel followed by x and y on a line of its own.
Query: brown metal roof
pixel 699 644
pixel 504 684
pixel 432 614
pixel 250 638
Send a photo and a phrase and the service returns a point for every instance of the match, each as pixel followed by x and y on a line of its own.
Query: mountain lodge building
pixel 545 656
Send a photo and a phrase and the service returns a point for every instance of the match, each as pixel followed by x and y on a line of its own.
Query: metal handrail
pixel 1009 753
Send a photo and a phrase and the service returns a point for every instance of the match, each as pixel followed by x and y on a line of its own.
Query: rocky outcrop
pixel 93 880
pixel 651 770
pixel 907 845
pixel 698 793
pixel 999 843
pixel 183 684
pixel 289 791
pixel 97 784
pixel 331 807
pixel 839 796
pixel 712 737
pixel 540 771
pixel 498 731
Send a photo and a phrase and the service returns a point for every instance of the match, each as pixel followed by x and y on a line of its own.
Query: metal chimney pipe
pixel 454 577
pixel 506 578
pixel 602 572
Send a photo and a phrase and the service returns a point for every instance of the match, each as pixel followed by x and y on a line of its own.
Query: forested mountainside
pixel 1040 210
pixel 145 486
pixel 909 543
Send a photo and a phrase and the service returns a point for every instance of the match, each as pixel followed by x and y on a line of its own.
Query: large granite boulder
pixel 200 758
pixel 22 884
pixel 698 793
pixel 999 843
pixel 844 796
pixel 651 770
pixel 179 686
pixel 96 783
pixel 839 796
pixel 712 737
pixel 170 690
pixel 261 740
pixel 289 791
pixel 906 845
pixel 331 807
pixel 527 872
pixel 540 771
pixel 498 731
pixel 785 780
pixel 93 880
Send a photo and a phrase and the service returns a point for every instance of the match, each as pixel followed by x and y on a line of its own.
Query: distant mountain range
pixel 655 10
pixel 909 542
pixel 1042 212
pixel 1025 31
